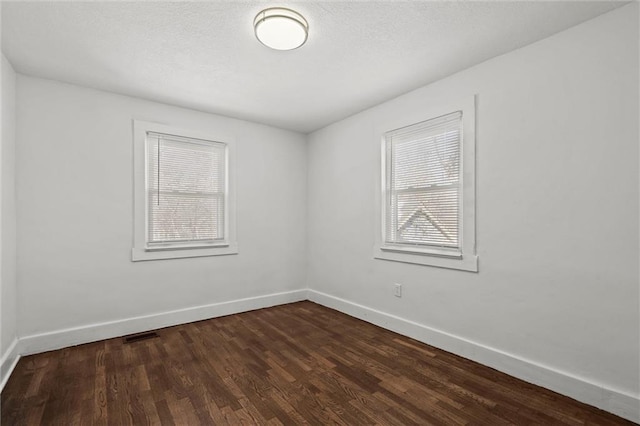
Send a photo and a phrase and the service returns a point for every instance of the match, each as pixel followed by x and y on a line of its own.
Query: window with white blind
pixel 183 202
pixel 427 191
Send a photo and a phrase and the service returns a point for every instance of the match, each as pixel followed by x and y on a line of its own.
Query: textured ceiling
pixel 203 55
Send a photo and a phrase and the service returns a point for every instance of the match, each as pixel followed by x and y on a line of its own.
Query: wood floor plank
pixel 288 365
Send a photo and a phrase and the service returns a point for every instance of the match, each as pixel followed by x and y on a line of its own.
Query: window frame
pixel 142 250
pixel 465 258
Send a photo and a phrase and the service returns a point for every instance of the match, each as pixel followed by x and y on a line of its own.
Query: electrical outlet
pixel 397 290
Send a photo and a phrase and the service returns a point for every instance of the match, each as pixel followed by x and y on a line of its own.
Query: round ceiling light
pixel 280 28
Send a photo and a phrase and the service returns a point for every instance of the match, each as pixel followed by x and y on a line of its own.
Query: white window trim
pixel 466 259
pixel 140 250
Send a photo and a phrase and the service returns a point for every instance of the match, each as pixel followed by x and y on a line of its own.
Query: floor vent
pixel 140 336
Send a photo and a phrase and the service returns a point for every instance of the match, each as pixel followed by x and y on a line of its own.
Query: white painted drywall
pixel 75 214
pixel 557 207
pixel 8 289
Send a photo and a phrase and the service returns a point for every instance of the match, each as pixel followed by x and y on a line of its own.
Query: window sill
pixel 429 258
pixel 138 254
pixel 452 254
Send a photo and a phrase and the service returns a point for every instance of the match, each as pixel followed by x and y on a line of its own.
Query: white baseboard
pixel 8 362
pixel 617 402
pixel 59 339
pixel 614 401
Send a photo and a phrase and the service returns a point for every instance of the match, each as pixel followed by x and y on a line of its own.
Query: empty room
pixel 320 212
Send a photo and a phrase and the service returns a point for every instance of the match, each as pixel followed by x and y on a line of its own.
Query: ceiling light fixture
pixel 280 28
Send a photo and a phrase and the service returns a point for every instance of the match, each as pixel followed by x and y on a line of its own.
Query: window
pixel 427 191
pixel 183 202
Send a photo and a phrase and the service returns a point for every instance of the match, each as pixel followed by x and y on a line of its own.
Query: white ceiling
pixel 203 55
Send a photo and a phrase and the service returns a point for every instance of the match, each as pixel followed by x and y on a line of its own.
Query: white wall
pixel 75 190
pixel 8 290
pixel 557 212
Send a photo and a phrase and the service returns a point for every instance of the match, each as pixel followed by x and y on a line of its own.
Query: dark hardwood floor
pixel 292 364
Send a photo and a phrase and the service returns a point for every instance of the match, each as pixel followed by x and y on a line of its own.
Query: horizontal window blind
pixel 423 183
pixel 186 190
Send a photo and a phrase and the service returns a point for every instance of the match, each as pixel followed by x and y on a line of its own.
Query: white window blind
pixel 423 184
pixel 186 190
